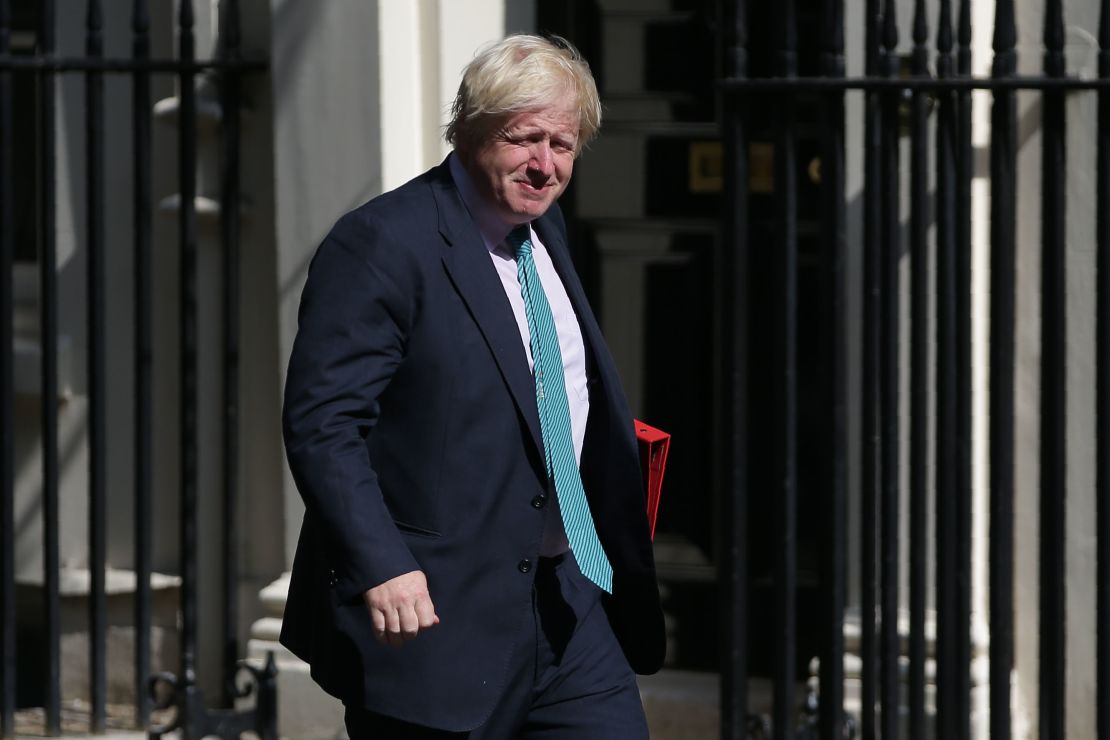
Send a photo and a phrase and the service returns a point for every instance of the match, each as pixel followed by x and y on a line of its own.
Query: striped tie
pixel 551 400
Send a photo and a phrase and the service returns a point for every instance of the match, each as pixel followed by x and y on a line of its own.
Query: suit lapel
pixel 468 263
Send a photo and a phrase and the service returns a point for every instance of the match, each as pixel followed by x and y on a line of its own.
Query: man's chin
pixel 531 209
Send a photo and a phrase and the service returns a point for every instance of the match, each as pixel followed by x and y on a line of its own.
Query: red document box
pixel 654 445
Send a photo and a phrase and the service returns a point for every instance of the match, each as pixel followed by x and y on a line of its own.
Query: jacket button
pixel 539 501
pixel 524 566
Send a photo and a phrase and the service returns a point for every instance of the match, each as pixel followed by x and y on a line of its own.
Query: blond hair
pixel 522 73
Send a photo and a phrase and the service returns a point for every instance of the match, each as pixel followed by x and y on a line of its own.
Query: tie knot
pixel 520 239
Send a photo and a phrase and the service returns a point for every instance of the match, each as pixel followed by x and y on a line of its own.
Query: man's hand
pixel 400 608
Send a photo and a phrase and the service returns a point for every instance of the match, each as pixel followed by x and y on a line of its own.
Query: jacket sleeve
pixel 356 310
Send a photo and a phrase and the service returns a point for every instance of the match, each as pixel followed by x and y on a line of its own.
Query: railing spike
pixel 94 17
pixel 873 23
pixel 1104 27
pixel 944 29
pixel 140 18
pixel 185 16
pixel 1054 25
pixel 1054 61
pixel 920 40
pixel 1005 30
pixel 920 24
pixel 833 30
pixel 890 27
pixel 788 40
pixel 964 38
pixel 232 27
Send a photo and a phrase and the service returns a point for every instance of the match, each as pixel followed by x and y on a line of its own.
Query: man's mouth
pixel 536 186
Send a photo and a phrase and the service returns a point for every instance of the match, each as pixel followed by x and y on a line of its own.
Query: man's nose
pixel 541 159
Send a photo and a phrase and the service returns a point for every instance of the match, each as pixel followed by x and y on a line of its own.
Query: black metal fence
pixel 940 355
pixel 44 66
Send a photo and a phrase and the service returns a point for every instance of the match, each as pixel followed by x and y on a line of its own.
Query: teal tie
pixel 551 400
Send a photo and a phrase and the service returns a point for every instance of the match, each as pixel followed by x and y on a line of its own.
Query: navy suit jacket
pixel 411 429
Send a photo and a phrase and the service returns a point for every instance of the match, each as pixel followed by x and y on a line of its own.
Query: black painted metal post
pixel 948 623
pixel 834 539
pixel 1053 590
pixel 871 466
pixel 142 207
pixel 1002 204
pixel 786 413
pixel 230 238
pixel 187 157
pixel 920 342
pixel 963 426
pixel 889 381
pixel 7 395
pixel 734 561
pixel 1102 384
pixel 94 214
pixel 48 297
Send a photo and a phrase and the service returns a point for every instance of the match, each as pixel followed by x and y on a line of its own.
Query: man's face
pixel 526 165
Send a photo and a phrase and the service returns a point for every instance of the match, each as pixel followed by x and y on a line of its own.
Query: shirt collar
pixel 493 229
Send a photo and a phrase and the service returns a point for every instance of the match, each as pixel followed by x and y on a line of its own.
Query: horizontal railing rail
pixel 735 86
pixel 20 63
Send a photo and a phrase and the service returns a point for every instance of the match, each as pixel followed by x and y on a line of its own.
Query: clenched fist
pixel 400 608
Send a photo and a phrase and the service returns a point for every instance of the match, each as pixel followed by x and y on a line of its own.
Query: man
pixel 475 559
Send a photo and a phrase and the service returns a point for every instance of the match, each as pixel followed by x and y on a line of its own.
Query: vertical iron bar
pixel 48 295
pixel 734 671
pixel 869 500
pixel 141 146
pixel 7 395
pixel 963 379
pixel 230 238
pixel 834 541
pixel 786 575
pixel 919 362
pixel 94 207
pixel 1102 384
pixel 948 624
pixel 888 383
pixel 187 158
pixel 1002 204
pixel 1053 591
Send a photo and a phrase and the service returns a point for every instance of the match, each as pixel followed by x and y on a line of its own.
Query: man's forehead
pixel 553 116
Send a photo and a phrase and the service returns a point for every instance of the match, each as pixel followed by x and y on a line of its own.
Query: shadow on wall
pixel 324 61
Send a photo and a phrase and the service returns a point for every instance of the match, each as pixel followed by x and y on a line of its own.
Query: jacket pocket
pixel 406 528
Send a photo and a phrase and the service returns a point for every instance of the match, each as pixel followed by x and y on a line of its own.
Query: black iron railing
pixel 179 691
pixel 939 340
pixel 7 400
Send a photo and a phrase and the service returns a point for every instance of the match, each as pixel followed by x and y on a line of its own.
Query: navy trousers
pixel 569 679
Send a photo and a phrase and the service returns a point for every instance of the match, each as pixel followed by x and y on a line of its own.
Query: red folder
pixel 654 445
